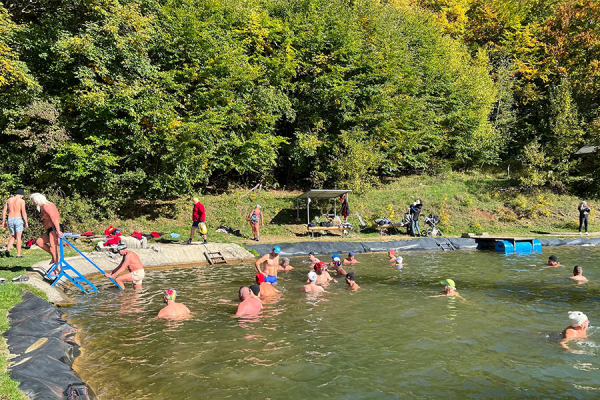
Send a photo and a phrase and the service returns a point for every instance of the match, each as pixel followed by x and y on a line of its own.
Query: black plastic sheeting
pixel 45 350
pixel 342 248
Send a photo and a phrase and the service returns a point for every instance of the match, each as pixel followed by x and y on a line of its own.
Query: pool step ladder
pixel 214 257
pixel 446 245
pixel 78 279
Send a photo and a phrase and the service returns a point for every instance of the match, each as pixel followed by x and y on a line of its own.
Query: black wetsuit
pixel 584 212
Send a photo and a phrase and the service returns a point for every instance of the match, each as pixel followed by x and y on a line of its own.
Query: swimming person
pixel 577 329
pixel 270 264
pixel 399 263
pixel 312 287
pixel 350 259
pixel 351 281
pixel 323 276
pixel 338 269
pixel 14 209
pixel 256 220
pixel 553 262
pixel 51 219
pixel 312 259
pixel 198 221
pixel 132 262
pixel 449 289
pixel 266 289
pixel 172 309
pixel 285 265
pixel 392 255
pixel 578 275
pixel 584 212
pixel 250 306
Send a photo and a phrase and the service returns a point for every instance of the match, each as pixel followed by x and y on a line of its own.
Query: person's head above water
pixel 260 278
pixel 399 260
pixel 276 250
pixel 285 261
pixel 448 282
pixel 170 294
pixel 255 289
pixel 244 292
pixel 351 277
pixel 577 318
pixel 320 266
pixel 577 270
pixel 312 276
pixel 552 260
pixel 391 252
pixel 351 254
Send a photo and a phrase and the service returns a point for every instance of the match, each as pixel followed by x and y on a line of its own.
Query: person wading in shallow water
pixel 578 275
pixel 351 281
pixel 270 264
pixel 553 262
pixel 312 287
pixel 250 306
pixel 577 329
pixel 172 309
pixel 132 262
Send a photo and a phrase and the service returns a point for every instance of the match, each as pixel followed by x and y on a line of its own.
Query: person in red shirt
pixel 198 221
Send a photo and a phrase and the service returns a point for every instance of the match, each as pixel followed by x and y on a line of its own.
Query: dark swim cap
pixel 351 276
pixel 20 191
pixel 255 289
pixel 553 258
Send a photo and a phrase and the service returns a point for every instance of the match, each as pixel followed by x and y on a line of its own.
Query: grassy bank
pixel 471 202
pixel 10 296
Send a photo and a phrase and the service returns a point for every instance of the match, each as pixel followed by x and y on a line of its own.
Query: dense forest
pixel 114 100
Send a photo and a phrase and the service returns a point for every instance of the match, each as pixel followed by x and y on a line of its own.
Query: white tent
pixel 319 194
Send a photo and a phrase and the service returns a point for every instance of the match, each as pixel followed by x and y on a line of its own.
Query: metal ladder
pixel 214 257
pixel 77 280
pixel 446 245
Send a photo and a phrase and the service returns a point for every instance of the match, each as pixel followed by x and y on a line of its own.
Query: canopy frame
pixel 320 194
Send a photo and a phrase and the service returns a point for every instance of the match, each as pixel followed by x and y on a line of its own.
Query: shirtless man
pixel 578 275
pixel 312 259
pixel 132 262
pixel 577 329
pixel 312 287
pixel 51 220
pixel 15 208
pixel 350 259
pixel 336 266
pixel 270 264
pixel 285 265
pixel 250 306
pixel 351 281
pixel 173 309
pixel 323 276
pixel 266 289
pixel 392 255
pixel 553 262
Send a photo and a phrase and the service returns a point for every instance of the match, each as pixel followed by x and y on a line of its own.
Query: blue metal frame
pixel 65 266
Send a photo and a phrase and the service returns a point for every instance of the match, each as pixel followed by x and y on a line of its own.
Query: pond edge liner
pixel 418 244
pixel 42 351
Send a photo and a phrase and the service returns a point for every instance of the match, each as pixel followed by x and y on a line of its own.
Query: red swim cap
pixel 321 264
pixel 260 277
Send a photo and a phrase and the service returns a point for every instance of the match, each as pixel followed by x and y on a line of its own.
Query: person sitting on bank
pixel 577 329
pixel 266 289
pixel 584 213
pixel 351 281
pixel 351 259
pixel 312 287
pixel 132 262
pixel 173 309
pixel 250 306
pixel 285 265
pixel 553 262
pixel 578 275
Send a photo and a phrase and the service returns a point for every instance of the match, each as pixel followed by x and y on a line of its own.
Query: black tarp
pixel 44 349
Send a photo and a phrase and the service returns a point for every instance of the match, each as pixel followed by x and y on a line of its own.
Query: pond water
pixel 389 339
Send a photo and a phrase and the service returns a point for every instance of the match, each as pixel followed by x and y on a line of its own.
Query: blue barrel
pixel 524 247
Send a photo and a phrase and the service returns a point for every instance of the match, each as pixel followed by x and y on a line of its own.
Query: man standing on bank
pixel 51 220
pixel 15 208
pixel 199 221
pixel 584 212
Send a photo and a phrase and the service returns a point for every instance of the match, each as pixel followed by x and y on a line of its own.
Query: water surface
pixel 389 339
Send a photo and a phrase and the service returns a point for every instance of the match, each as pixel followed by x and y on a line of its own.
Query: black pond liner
pixel 43 373
pixel 343 248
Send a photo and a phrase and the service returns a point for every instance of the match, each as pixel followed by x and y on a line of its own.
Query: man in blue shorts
pixel 270 264
pixel 15 210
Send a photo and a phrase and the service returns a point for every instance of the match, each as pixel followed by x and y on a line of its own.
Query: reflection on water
pixel 389 339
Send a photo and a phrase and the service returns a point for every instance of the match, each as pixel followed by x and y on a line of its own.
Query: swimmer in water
pixel 449 289
pixel 392 255
pixel 250 306
pixel 312 287
pixel 285 265
pixel 312 259
pixel 351 281
pixel 270 264
pixel 336 265
pixel 399 262
pixel 266 289
pixel 553 262
pixel 577 329
pixel 578 275
pixel 323 277
pixel 351 259
pixel 173 309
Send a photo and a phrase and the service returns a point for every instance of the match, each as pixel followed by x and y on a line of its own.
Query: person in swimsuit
pixel 323 277
pixel 392 255
pixel 270 264
pixel 577 329
pixel 553 262
pixel 449 289
pixel 173 309
pixel 312 260
pixel 351 259
pixel 266 289
pixel 250 306
pixel 51 219
pixel 351 281
pixel 15 209
pixel 578 275
pixel 132 262
pixel 256 221
pixel 336 265
pixel 285 265
pixel 312 287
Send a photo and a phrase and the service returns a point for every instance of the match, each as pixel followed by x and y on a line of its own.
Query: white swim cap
pixel 312 276
pixel 399 260
pixel 336 259
pixel 577 318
